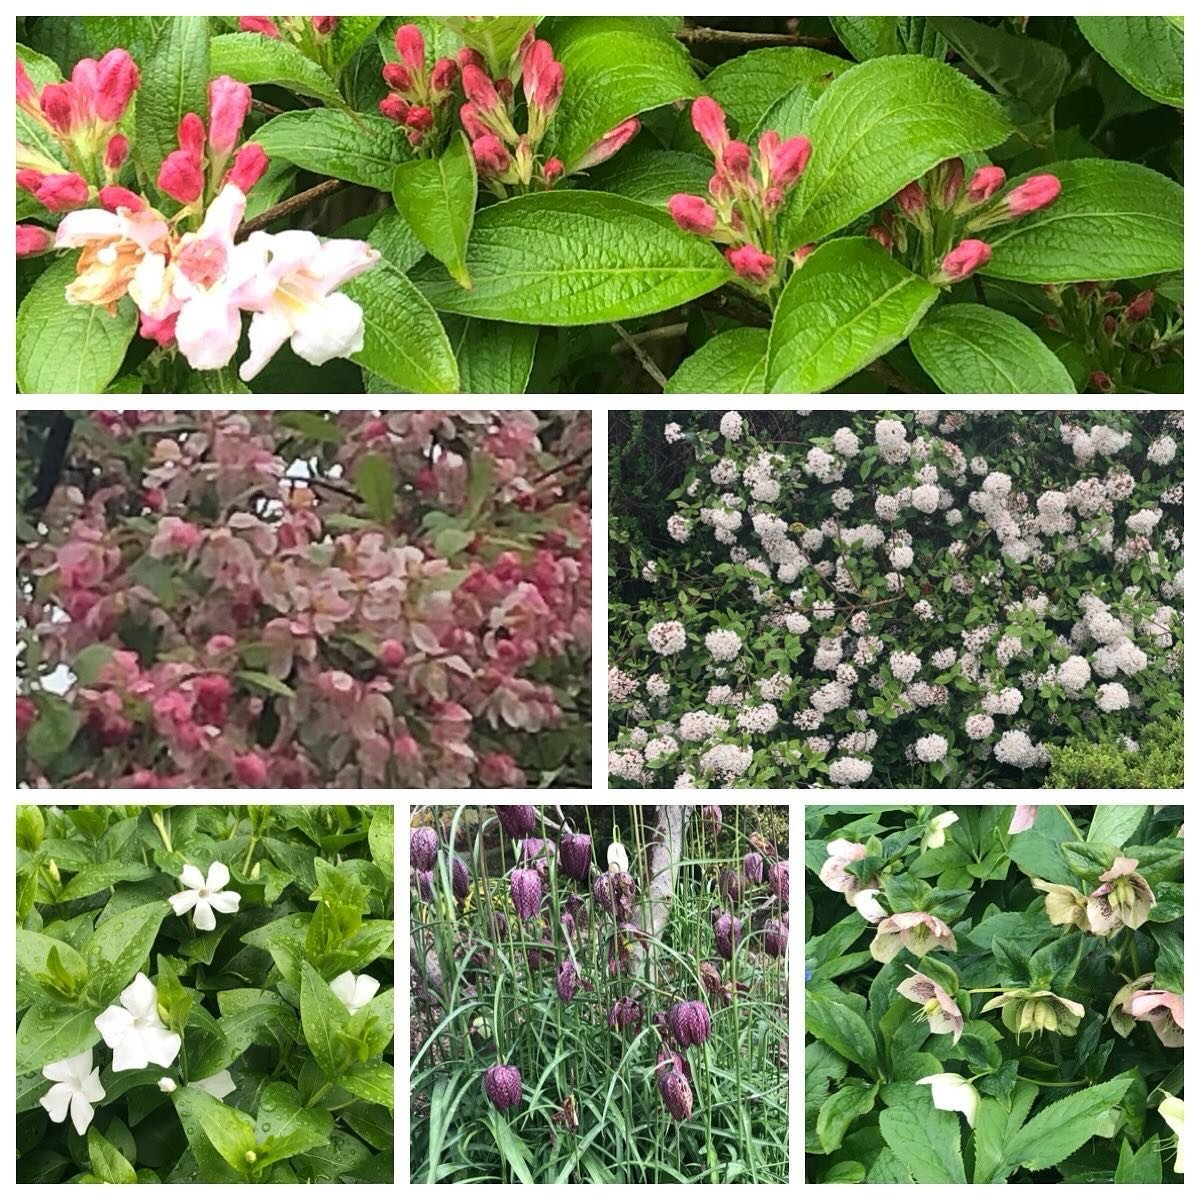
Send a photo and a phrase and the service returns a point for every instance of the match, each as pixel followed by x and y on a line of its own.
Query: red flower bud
pixel 263 25
pixel 116 80
pixel 397 76
pixel 248 166
pixel 114 196
pixel 708 120
pixel 790 160
pixel 802 252
pixel 419 117
pixel 32 239
pixel 735 161
pixel 59 193
pixel 911 199
pixel 491 155
pixel 468 57
pixel 605 147
pixel 116 151
pixel 882 236
pixel 1100 382
pixel 180 177
pixel 1036 192
pixel 751 263
pixel 1139 307
pixel 965 259
pixel 692 214
pixel 550 86
pixel 324 26
pixel 552 170
pixel 1109 325
pixel 950 179
pixel 395 108
pixel 191 136
pixel 63 106
pixel 985 183
pixel 228 104
pixel 250 770
pixel 478 88
pixel 158 330
pixel 410 45
pixel 392 654
pixel 445 72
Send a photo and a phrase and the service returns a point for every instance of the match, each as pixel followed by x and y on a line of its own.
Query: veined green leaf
pixel 174 81
pixel 359 149
pixel 1146 51
pixel 436 196
pixel 255 59
pixel 733 361
pixel 925 1139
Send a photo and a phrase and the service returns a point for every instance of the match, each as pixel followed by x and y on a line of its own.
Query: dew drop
pixel 266 1126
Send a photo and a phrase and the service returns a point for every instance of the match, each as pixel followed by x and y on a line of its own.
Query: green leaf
pixel 394 238
pixel 1113 220
pixel 970 348
pixel 403 339
pixel 840 1110
pixel 375 481
pixel 350 34
pixel 494 357
pixel 51 1031
pixel 1144 1166
pixel 512 1149
pixel 576 258
pixel 108 1164
pixel 174 82
pixel 1116 823
pixel 652 176
pixel 849 303
pixel 65 348
pixel 1147 52
pixel 375 1082
pixel 54 730
pixel 359 149
pixel 90 662
pixel 925 1139
pixel 732 362
pixel 119 947
pixel 996 1124
pixel 449 542
pixel 1061 1128
pixel 49 958
pixel 612 75
pixel 285 1127
pixel 264 682
pixel 381 835
pixel 322 1014
pixel 880 126
pixel 1023 68
pixel 436 196
pixel 33 133
pixel 312 426
pixel 229 1131
pixel 867 37
pixel 254 59
pixel 495 37
pixel 842 1029
pixel 95 879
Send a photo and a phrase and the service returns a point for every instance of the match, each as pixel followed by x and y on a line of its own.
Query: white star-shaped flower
pixel 135 1032
pixel 76 1087
pixel 354 991
pixel 205 895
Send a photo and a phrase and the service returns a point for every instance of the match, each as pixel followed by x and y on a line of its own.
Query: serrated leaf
pixel 878 127
pixel 1144 1166
pixel 494 357
pixel 495 37
pixel 925 1139
pixel 1061 1128
pixel 375 481
pixel 849 303
pixel 436 196
pixel 255 59
pixel 1112 220
pixel 1147 52
pixel 970 348
pixel 1115 824
pixel 841 1028
pixel 350 146
pixel 996 1124
pixel 652 176
pixel 1024 68
pixel 732 362
pixel 69 348
pixel 174 81
pixel 575 258
pixel 840 1110
pixel 867 37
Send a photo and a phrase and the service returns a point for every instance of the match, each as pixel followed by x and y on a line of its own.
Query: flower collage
pixel 864 337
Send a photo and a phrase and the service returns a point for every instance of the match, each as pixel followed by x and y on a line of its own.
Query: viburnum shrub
pixel 600 203
pixel 891 599
pixel 204 994
pixel 600 995
pixel 994 994
pixel 299 599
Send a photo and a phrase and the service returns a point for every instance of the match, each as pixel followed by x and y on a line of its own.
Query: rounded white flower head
pixel 135 1032
pixel 205 895
pixel 952 1093
pixel 76 1088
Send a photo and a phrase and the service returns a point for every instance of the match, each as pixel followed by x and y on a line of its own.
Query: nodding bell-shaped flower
pixel 752 866
pixel 422 848
pixel 964 260
pixel 937 1005
pixel 689 1023
pixel 575 854
pixel 779 880
pixel 502 1084
pixel 710 814
pixel 1026 1011
pixel 538 853
pixel 517 820
pixel 1064 905
pixel 676 1094
pixel 775 936
pixel 460 878
pixel 935 836
pixel 1171 1110
pixel 952 1093
pixel 727 930
pixel 917 932
pixel 1121 1020
pixel 833 873
pixel 526 890
pixel 1123 898
pixel 567 982
pixel 868 907
pixel 625 1012
pixel 1164 1011
pixel 731 885
pixel 1023 818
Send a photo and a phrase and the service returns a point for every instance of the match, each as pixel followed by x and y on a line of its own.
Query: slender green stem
pixel 1067 817
pixel 1046 1083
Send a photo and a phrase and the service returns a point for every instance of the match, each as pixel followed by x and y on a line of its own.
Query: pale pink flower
pixel 833 873
pixel 868 907
pixel 917 932
pixel 120 252
pixel 1123 898
pixel 937 1005
pixel 1164 1011
pixel 953 1093
pixel 1023 818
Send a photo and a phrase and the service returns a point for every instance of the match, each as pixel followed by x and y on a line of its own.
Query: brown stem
pixel 647 363
pixel 885 371
pixel 263 107
pixel 293 204
pixel 571 462
pixel 701 34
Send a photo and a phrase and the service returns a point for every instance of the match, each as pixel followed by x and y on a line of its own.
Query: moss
pixel 1157 763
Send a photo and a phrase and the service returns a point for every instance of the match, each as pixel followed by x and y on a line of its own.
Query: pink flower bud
pixel 468 114
pixel 445 72
pixel 263 25
pixel 419 117
pixel 116 80
pixel 965 259
pixel 116 151
pixel 478 89
pixel 790 160
pixel 250 770
pixel 394 107
pixel 228 104
pixel 550 86
pixel 397 76
pixel 30 180
pixel 751 263
pixel 468 57
pixel 1036 192
pixel 114 196
pixel 950 182
pixel 552 170
pixel 692 214
pixel 31 240
pixel 708 120
pixel 1139 308
pixel 1109 325
pixel 802 252
pixel 392 654
pixel 324 26
pixel 249 164
pixel 27 97
pixel 605 147
pixel 410 45
pixel 537 57
pixel 63 107
pixel 1098 381
pixel 191 136
pixel 59 193
pixel 491 155
pixel 985 183
pixel 180 177
pixel 735 161
pixel 911 199
pixel 882 236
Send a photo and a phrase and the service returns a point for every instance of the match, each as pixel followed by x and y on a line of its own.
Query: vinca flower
pixel 354 991
pixel 1123 898
pixel 205 896
pixel 937 1005
pixel 953 1093
pixel 917 932
pixel 76 1089
pixel 502 1084
pixel 135 1032
pixel 1064 904
pixel 1024 1010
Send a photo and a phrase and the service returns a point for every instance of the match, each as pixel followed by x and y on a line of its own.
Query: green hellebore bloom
pixel 1027 1011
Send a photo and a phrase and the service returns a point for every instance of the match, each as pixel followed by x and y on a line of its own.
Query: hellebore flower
pixel 422 848
pixel 952 1093
pixel 1164 1011
pixel 1123 898
pixel 677 1095
pixel 689 1022
pixel 868 907
pixel 354 991
pixel 135 1032
pixel 575 854
pixel 917 932
pixel 935 836
pixel 518 820
pixel 526 891
pixel 779 880
pixel 752 866
pixel 567 982
pixel 625 1012
pixel 1121 1020
pixel 205 895
pixel 1064 905
pixel 728 932
pixel 775 936
pixel 1171 1110
pixel 502 1084
pixel 937 1005
pixel 76 1087
pixel 1027 1011
pixel 1023 818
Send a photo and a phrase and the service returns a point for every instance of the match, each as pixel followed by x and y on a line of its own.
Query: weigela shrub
pixel 842 599
pixel 204 994
pixel 293 599
pixel 618 203
pixel 994 994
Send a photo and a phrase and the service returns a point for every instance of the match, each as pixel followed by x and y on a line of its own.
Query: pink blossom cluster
pixel 287 640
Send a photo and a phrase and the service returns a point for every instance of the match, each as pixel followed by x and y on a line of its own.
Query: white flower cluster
pixel 723 644
pixel 667 637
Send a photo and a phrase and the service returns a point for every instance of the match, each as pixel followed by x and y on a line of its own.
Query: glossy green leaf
pixel 576 258
pixel 842 1029
pixel 285 1127
pixel 119 947
pixel 841 1109
pixel 1112 220
pixel 395 239
pixel 350 35
pixel 51 1031
pixel 880 126
pixel 34 952
pixel 374 1082
pixel 1146 51
pixel 322 1014
pixel 1059 1129
pixel 436 196
pixel 105 875
pixel 255 59
pixel 229 1131
pixel 54 730
pixel 997 1123
pixel 33 133
pixel 495 37
pixel 732 362
pixel 849 303
pixel 970 348
pixel 351 146
pixel 108 1164
pixel 652 176
pixel 264 682
pixel 174 81
pixel 494 357
pixel 867 37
